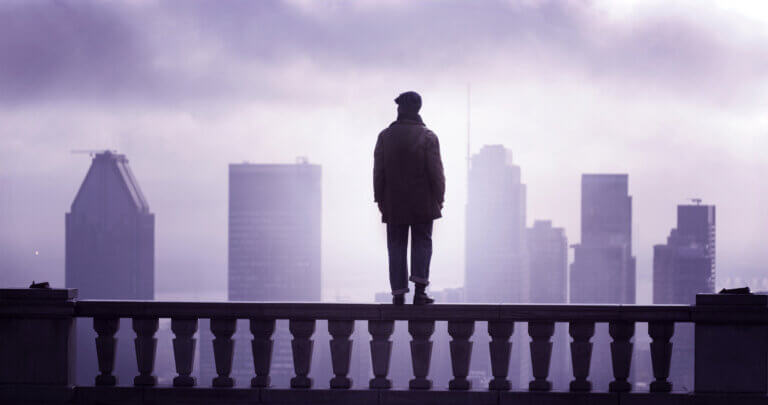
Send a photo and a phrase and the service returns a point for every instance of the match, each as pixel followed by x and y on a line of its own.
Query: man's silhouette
pixel 409 186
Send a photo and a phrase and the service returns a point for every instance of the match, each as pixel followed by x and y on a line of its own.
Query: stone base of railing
pixel 18 394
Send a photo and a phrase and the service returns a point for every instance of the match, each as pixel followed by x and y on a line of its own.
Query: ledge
pixel 243 396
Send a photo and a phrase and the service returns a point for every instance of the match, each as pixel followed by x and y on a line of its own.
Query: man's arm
pixel 435 169
pixel 378 171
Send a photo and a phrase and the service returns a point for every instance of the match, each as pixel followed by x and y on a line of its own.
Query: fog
pixel 673 95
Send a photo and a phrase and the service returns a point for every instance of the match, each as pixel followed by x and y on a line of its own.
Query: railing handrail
pixel 359 311
pixel 350 311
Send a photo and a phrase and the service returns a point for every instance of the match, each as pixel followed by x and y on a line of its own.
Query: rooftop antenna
pixel 92 152
pixel 469 111
pixel 696 200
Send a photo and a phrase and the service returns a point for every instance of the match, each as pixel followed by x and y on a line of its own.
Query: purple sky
pixel 673 94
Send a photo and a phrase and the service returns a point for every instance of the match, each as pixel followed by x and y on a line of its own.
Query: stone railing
pixel 37 349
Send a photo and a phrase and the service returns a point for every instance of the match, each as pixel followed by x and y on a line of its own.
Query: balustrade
pixel 461 320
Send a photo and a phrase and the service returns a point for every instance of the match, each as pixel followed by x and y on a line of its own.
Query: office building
pixel 109 254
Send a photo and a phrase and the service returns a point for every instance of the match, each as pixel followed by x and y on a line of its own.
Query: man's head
pixel 408 102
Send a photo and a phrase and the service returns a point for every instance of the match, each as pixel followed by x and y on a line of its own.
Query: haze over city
pixel 672 97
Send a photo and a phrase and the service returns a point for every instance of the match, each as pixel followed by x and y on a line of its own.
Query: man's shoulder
pixel 430 134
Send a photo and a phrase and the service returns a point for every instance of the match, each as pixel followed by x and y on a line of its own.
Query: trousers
pixel 421 254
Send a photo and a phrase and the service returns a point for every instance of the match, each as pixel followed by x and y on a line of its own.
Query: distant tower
pixel 685 266
pixel 496 267
pixel 548 264
pixel 274 232
pixel 603 270
pixel 496 256
pixel 548 258
pixel 274 254
pixel 682 268
pixel 110 252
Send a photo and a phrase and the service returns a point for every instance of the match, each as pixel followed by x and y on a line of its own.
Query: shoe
pixel 422 299
pixel 398 299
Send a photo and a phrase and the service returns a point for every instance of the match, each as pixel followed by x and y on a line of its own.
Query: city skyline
pixel 215 297
pixel 640 89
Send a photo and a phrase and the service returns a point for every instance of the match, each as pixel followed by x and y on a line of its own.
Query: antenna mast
pixel 469 105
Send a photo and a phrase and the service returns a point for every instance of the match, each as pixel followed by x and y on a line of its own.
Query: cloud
pixel 170 52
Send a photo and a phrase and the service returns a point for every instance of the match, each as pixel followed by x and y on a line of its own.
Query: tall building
pixel 496 255
pixel 548 263
pixel 274 255
pixel 496 265
pixel 603 270
pixel 685 265
pixel 682 268
pixel 110 253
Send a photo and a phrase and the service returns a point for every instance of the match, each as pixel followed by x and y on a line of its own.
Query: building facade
pixel 274 254
pixel 496 263
pixel 603 270
pixel 685 265
pixel 110 253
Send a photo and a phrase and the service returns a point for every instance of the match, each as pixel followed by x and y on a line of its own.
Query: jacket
pixel 408 178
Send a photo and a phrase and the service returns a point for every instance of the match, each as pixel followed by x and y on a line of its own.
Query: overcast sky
pixel 672 93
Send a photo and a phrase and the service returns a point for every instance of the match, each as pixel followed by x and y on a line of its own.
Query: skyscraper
pixel 274 254
pixel 548 258
pixel 548 263
pixel 110 252
pixel 685 265
pixel 274 232
pixel 682 268
pixel 496 266
pixel 603 270
pixel 496 254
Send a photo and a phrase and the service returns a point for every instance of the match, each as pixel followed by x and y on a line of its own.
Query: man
pixel 409 187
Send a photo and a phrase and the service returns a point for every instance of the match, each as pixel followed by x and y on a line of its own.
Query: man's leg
pixel 421 255
pixel 397 245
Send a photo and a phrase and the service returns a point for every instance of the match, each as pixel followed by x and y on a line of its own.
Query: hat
pixel 410 100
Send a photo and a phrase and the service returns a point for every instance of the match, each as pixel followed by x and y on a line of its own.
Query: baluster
pixel 146 345
pixel 184 350
pixel 341 351
pixel 661 353
pixel 105 348
pixel 461 353
pixel 223 350
pixel 581 353
pixel 621 354
pixel 541 352
pixel 302 331
pixel 261 346
pixel 500 349
pixel 381 351
pixel 421 353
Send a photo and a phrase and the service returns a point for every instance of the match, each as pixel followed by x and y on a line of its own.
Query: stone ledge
pixel 21 394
